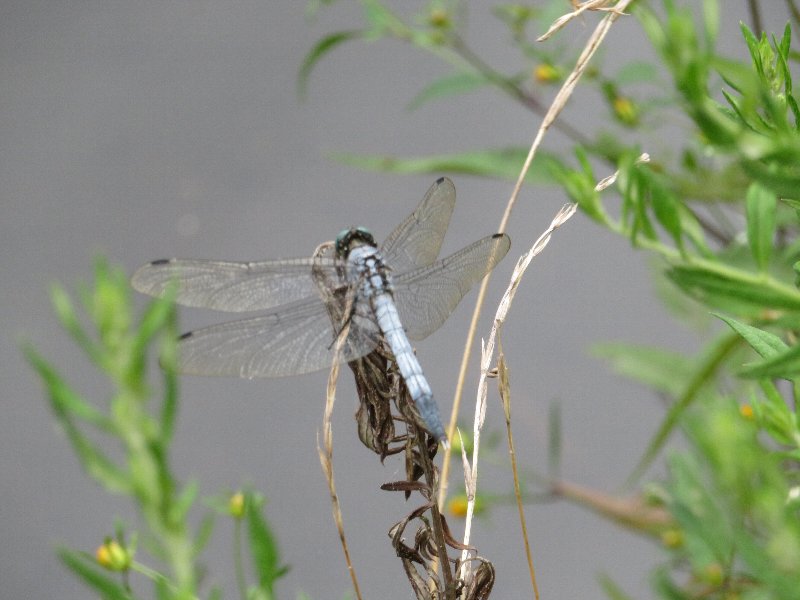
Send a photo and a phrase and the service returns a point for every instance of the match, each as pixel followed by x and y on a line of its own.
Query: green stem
pixel 238 564
pixel 706 371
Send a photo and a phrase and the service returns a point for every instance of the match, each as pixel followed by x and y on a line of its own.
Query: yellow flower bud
pixel 439 18
pixel 236 505
pixel 626 110
pixel 546 73
pixel 112 556
pixel 457 506
pixel 672 538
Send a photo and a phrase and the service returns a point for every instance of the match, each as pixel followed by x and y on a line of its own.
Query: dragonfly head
pixel 351 238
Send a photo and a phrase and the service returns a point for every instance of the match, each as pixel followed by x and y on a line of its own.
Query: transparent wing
pixel 249 286
pixel 425 297
pixel 293 339
pixel 417 240
pixel 232 286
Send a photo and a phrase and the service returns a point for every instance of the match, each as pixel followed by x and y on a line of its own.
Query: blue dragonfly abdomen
pixel 374 283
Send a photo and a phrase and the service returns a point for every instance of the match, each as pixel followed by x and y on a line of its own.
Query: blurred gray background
pixel 141 130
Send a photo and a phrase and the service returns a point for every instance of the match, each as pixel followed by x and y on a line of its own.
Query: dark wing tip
pixel 440 181
pixel 161 261
pixel 498 235
pixel 186 335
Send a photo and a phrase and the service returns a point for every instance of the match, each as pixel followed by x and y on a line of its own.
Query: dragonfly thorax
pixel 352 238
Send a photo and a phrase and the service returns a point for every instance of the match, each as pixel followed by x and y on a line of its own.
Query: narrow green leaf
pixel 705 369
pixel 580 187
pixel 734 291
pixel 763 342
pixel 660 369
pixel 263 546
pixel 65 310
pixel 320 49
pixel 782 179
pixel 761 208
pixel 711 21
pixel 503 163
pixel 753 46
pixel 774 414
pixel 87 570
pixel 184 502
pixel 665 208
pixel 790 100
pixel 63 400
pixel 204 531
pixel 67 399
pixel 785 365
pixel 158 314
pixel 460 83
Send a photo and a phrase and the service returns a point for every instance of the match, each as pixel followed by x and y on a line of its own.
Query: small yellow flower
pixel 236 505
pixel 457 506
pixel 546 73
pixel 112 556
pixel 672 538
pixel 747 412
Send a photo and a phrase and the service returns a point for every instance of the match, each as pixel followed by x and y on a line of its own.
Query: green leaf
pixel 579 184
pixel 775 415
pixel 263 546
pixel 711 21
pixel 66 399
pixel 785 365
pixel 320 49
pixel 85 567
pixel 502 163
pixel 660 369
pixel 733 290
pixel 66 404
pixel 763 342
pixel 460 83
pixel 761 207
pixel 204 531
pixel 783 177
pixel 65 310
pixel 184 501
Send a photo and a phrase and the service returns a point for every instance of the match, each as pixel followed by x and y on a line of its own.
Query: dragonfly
pixel 392 293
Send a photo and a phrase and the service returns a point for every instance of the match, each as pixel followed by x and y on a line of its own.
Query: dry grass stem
pixel 487 353
pixel 558 104
pixel 608 181
pixel 505 397
pixel 579 8
pixel 326 455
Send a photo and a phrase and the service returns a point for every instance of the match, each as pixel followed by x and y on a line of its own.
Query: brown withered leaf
pixel 482 582
pixel 408 486
pixel 450 540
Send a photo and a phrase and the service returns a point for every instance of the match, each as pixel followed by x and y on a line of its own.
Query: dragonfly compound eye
pixel 355 236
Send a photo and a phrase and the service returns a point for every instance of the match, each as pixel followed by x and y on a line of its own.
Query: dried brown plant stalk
pixel 387 433
pixel 326 454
